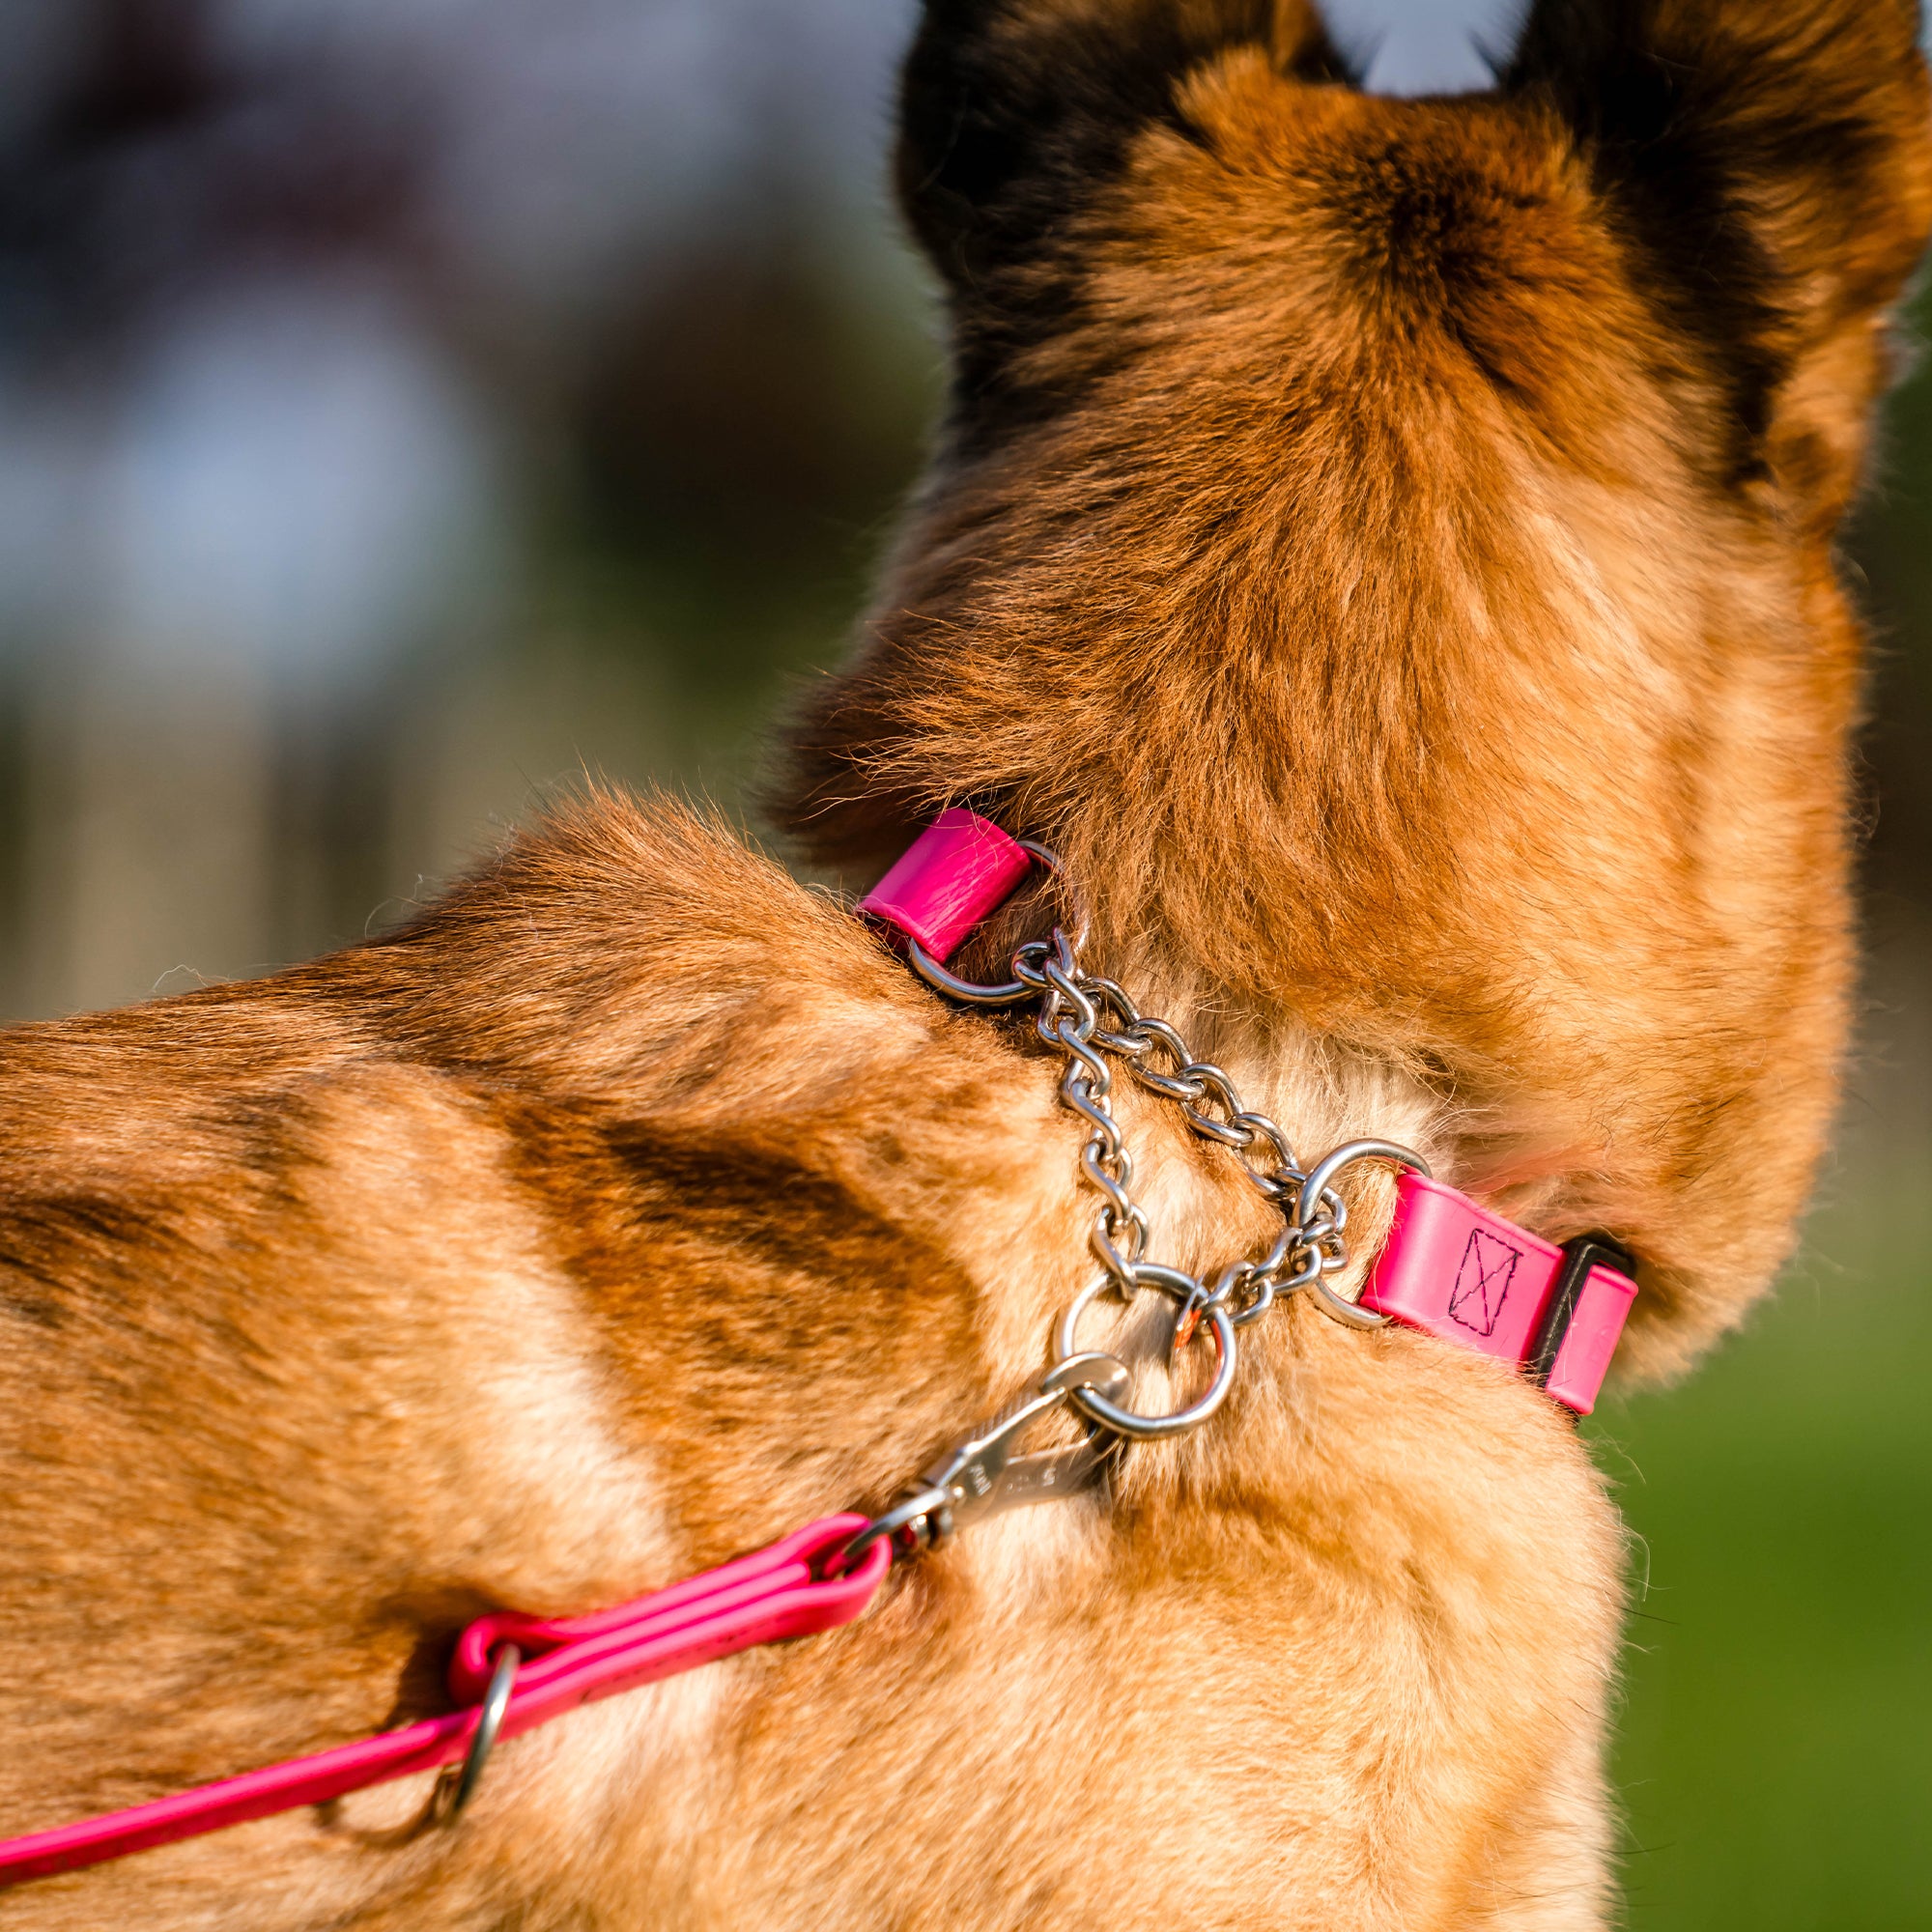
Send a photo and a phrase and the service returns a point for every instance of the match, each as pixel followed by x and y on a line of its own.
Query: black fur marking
pixel 1010 134
pixel 50 1243
pixel 1671 158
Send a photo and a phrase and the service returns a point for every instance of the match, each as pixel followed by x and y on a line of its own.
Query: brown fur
pixel 1385 545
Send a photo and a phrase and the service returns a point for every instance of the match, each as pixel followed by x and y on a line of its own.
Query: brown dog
pixel 1386 547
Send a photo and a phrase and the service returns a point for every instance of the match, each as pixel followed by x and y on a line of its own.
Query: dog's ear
pixel 1769 165
pixel 1017 117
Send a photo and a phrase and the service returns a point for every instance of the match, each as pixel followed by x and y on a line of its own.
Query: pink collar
pixel 1450 1268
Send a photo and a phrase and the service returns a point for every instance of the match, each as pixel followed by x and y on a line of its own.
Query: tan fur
pixel 1414 619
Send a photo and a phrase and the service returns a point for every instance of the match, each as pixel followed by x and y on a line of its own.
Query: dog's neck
pixel 1323 1087
pixel 1321 1091
pixel 956 885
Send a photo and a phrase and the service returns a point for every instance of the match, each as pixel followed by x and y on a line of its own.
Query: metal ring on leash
pixel 495 1706
pixel 1308 1204
pixel 1129 1422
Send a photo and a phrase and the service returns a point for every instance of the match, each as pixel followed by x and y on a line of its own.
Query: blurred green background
pixel 409 406
pixel 1775 1755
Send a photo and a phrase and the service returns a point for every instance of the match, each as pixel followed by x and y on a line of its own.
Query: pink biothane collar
pixel 1450 1267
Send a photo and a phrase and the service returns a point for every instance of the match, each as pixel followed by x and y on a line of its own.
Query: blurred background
pixel 408 407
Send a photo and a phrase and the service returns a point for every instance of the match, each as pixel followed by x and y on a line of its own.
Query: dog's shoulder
pixel 629 1034
pixel 641 953
pixel 636 952
pixel 462 1265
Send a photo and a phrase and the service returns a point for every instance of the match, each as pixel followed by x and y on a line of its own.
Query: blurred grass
pixel 1775 1763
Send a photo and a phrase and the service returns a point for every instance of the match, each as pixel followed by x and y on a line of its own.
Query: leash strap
pixel 776 1593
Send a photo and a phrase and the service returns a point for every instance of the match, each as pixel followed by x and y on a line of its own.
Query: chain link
pixel 1090 1017
pixel 1093 1020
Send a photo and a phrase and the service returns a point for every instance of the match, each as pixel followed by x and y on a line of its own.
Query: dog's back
pixel 1385 547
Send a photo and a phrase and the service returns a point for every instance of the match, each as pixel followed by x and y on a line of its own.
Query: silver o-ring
pixel 495 1707
pixel 1130 1422
pixel 1309 1200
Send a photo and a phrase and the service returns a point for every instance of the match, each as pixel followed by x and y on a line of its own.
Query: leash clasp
pixel 982 1474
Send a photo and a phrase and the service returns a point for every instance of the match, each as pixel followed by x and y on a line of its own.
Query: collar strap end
pixel 1457 1271
pixel 955 873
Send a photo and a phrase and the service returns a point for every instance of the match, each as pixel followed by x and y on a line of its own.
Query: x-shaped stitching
pixel 1483 1282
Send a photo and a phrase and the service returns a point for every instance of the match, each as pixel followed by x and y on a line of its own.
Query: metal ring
pixel 1331 1305
pixel 1050 859
pixel 1349 1314
pixel 1330 1165
pixel 1130 1422
pixel 495 1706
pixel 969 992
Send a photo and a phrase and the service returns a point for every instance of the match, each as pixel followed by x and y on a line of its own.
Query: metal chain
pixel 1088 1018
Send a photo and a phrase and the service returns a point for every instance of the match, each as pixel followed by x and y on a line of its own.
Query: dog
pixel 1384 550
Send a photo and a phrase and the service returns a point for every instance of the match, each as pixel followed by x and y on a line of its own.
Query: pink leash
pixel 773 1594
